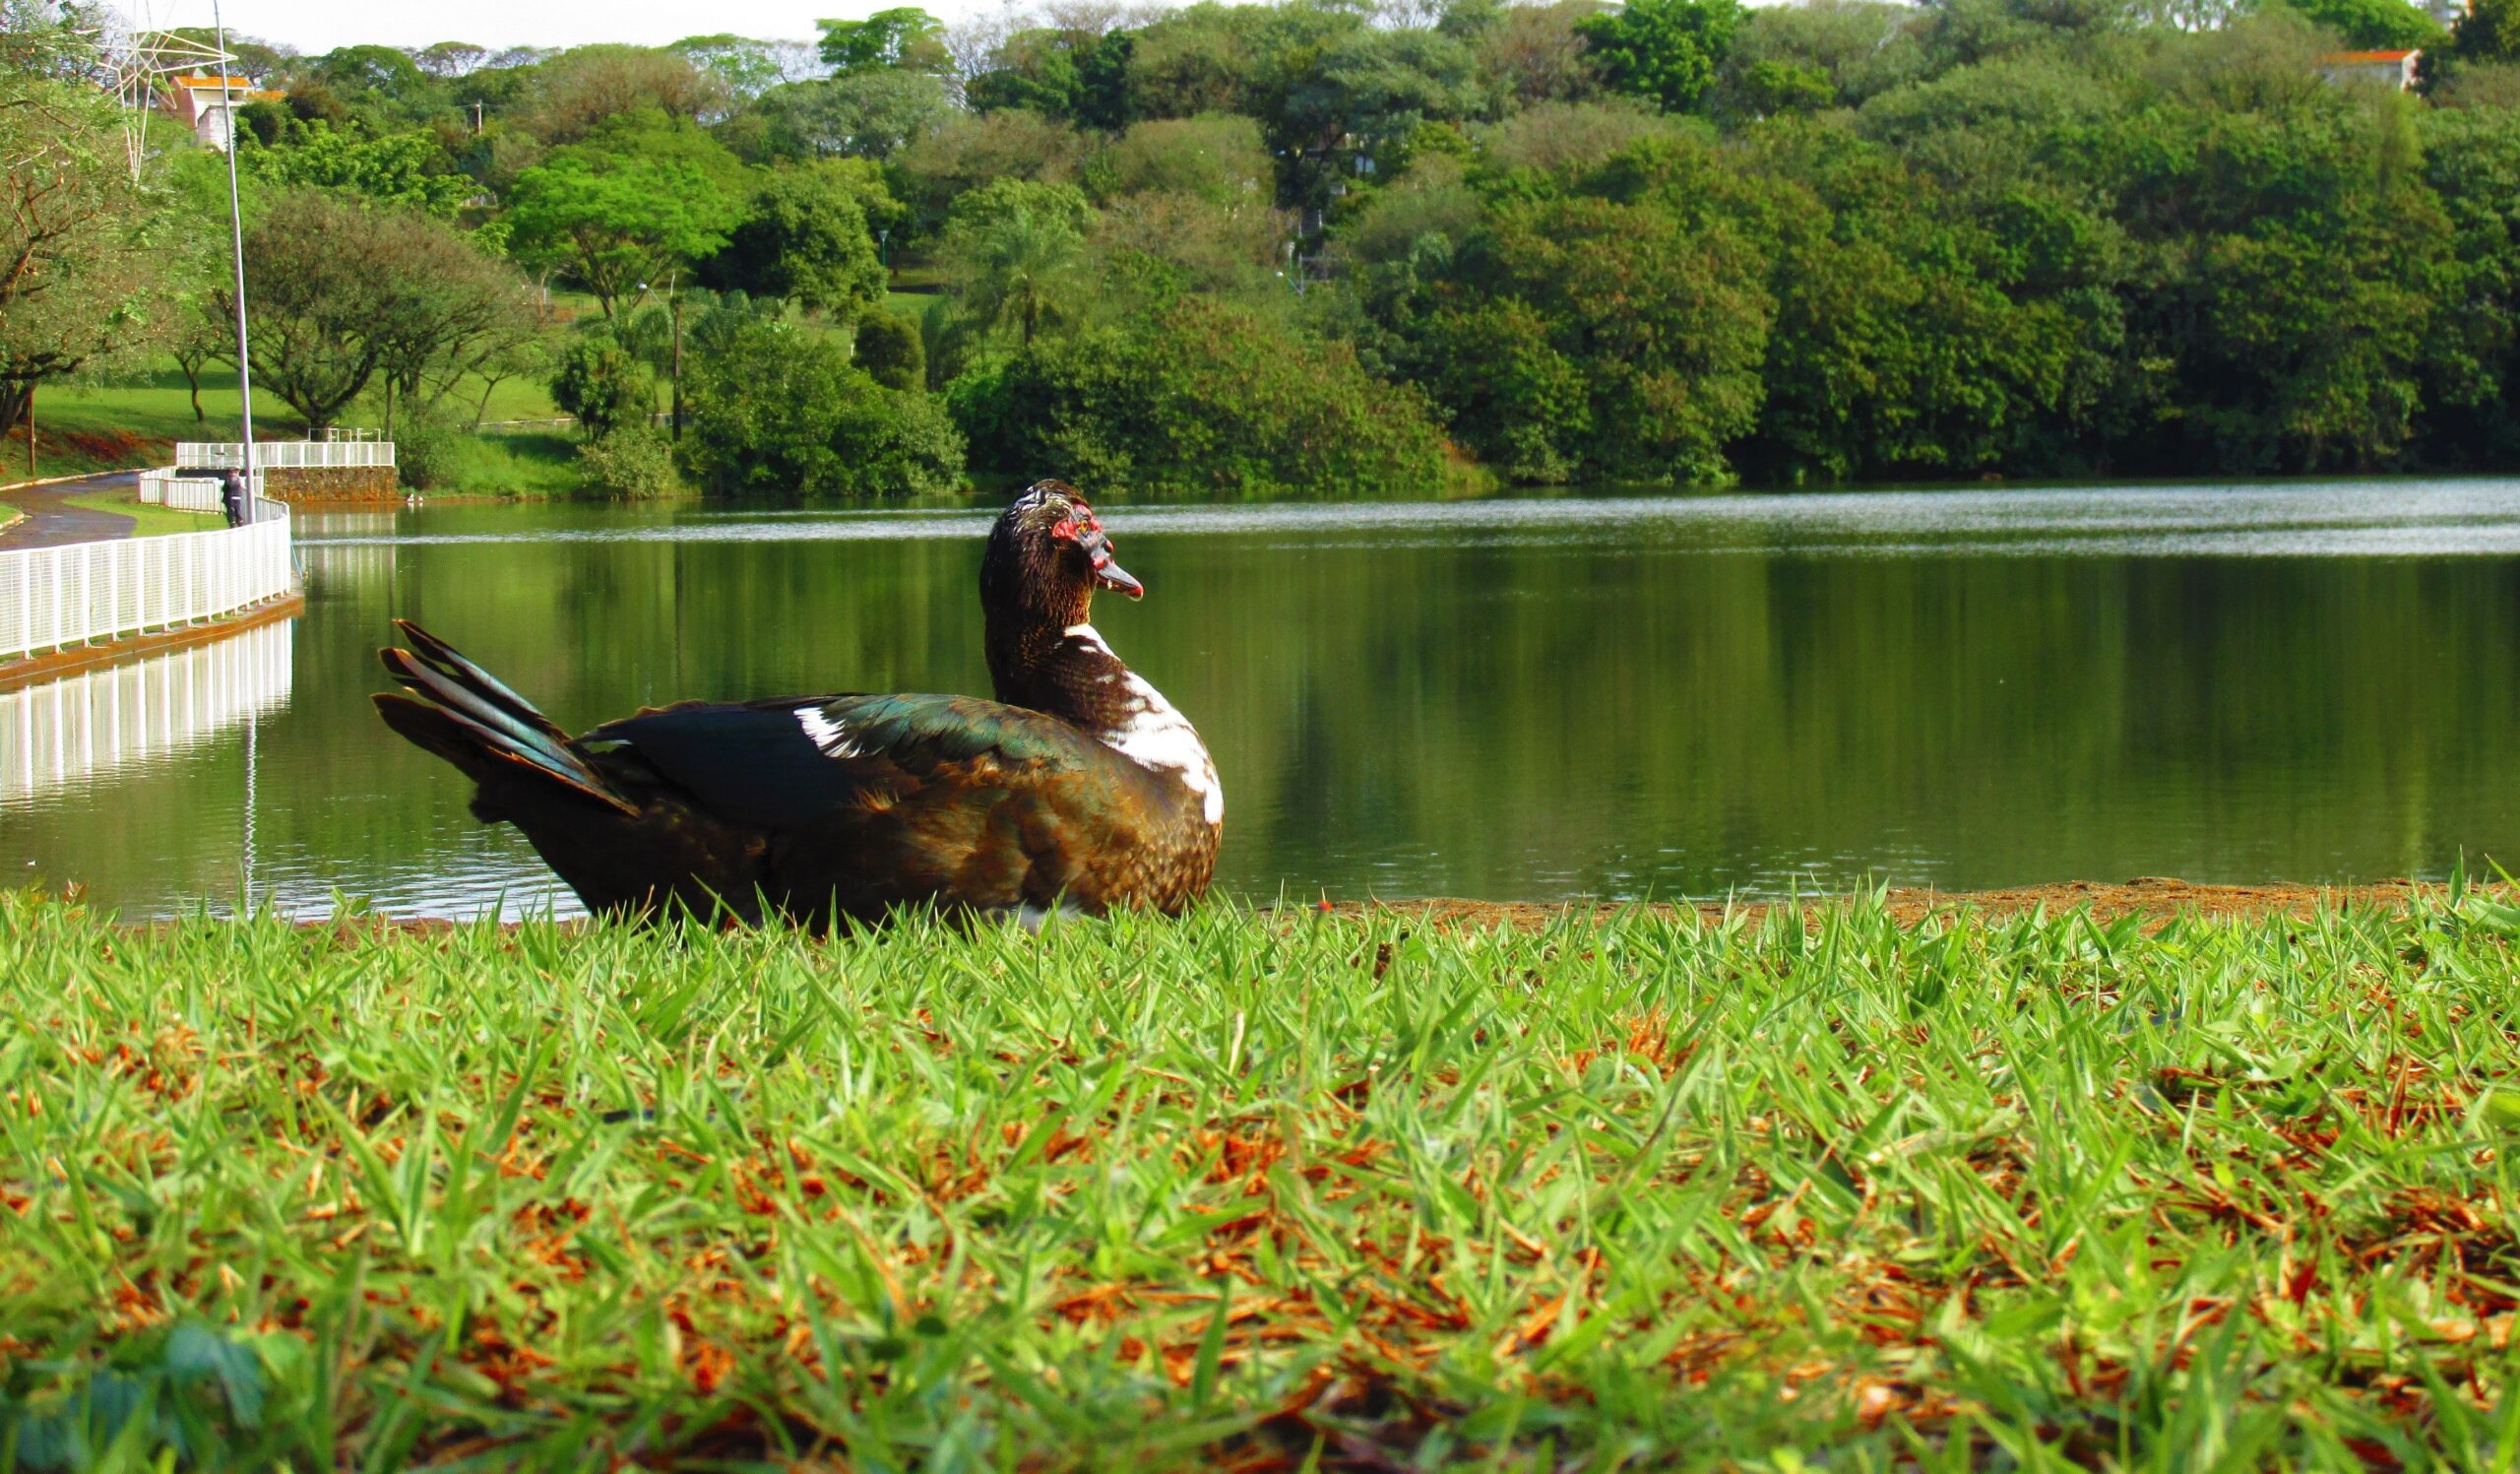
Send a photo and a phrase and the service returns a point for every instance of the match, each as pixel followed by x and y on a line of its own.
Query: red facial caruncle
pixel 1085 530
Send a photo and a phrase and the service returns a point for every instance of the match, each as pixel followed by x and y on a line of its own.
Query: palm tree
pixel 1016 266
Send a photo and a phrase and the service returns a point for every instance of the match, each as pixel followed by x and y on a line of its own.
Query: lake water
pixel 1512 699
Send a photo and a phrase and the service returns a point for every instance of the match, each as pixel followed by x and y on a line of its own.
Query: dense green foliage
pixel 602 384
pixel 80 278
pixel 776 412
pixel 632 461
pixel 805 237
pixel 1665 242
pixel 2031 1191
pixel 1197 396
pixel 889 348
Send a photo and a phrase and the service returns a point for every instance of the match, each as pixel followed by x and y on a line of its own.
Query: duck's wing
pixel 789 764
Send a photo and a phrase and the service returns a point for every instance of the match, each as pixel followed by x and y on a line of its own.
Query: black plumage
pixel 1079 787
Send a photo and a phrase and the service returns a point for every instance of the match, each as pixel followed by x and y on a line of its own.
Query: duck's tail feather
pixel 468 717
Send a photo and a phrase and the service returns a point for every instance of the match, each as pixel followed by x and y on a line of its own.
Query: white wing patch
pixel 1157 738
pixel 829 735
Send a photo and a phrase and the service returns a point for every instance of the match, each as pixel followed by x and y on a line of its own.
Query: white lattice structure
pixel 185 494
pixel 283 455
pixel 61 731
pixel 56 597
pixel 141 61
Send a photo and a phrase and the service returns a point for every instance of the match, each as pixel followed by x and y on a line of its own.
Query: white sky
pixel 314 26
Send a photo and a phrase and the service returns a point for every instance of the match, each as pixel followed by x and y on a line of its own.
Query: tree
pixel 868 114
pixel 2490 32
pixel 1196 195
pixel 340 293
pixel 1035 68
pixel 617 223
pixel 602 384
pixel 1664 50
pixel 748 68
pixel 1197 396
pixel 202 337
pixel 574 94
pixel 408 170
pixel 906 37
pixel 805 240
pixel 1105 95
pixel 774 410
pixel 1366 93
pixel 968 152
pixel 1654 294
pixel 1537 53
pixel 889 348
pixel 81 278
pixel 1518 402
pixel 455 313
pixel 1013 251
pixel 449 60
pixel 2375 23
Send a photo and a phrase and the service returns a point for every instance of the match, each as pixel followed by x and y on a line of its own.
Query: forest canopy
pixel 1334 247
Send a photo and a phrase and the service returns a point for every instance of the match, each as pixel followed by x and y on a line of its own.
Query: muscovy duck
pixel 1080 787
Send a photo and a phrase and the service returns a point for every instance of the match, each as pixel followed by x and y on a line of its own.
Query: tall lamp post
pixel 245 386
pixel 237 250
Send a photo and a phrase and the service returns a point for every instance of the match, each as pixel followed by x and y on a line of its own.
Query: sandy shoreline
pixel 2154 898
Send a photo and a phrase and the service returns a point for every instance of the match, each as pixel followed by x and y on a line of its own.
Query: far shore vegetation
pixel 1312 249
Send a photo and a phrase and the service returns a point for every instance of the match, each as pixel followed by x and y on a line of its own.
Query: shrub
pixel 889 349
pixel 602 384
pixel 773 411
pixel 631 462
pixel 432 452
pixel 808 241
pixel 1199 396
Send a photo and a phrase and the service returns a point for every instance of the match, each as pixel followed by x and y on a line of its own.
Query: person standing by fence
pixel 231 497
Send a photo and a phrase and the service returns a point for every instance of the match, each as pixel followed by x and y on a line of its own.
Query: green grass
pixel 147 520
pixel 911 304
pixel 81 427
pixel 1247 1192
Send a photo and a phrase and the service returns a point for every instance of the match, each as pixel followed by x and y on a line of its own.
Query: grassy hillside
pixel 1260 1193
pixel 81 427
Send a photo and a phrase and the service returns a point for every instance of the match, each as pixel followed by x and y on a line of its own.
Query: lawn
pixel 147 520
pixel 1262 1191
pixel 136 422
pixel 911 304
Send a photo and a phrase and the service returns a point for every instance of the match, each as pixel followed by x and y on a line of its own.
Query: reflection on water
pixel 2468 518
pixel 1516 699
pixel 82 726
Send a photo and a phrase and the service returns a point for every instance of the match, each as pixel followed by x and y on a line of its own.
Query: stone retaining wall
pixel 370 483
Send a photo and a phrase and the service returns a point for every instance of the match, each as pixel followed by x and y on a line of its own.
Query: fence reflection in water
pixel 62 731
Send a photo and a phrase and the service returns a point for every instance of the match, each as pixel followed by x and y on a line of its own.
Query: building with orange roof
pixel 2394 69
pixel 199 101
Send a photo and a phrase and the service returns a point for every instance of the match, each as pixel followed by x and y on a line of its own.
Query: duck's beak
pixel 1113 576
pixel 1107 571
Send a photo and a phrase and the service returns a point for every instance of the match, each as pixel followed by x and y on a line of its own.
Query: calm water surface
pixel 1514 699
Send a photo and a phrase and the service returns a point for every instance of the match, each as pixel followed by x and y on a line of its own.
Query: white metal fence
pixel 61 731
pixel 185 494
pixel 53 597
pixel 283 455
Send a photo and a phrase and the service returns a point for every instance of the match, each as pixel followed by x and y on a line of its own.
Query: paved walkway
pixel 50 521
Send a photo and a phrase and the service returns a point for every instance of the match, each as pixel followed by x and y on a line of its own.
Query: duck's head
pixel 1048 554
